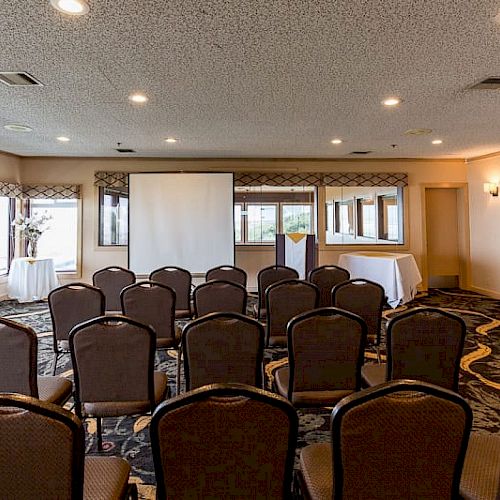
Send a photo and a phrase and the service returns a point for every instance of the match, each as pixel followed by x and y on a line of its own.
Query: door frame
pixel 462 189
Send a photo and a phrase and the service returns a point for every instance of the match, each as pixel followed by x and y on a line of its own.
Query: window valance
pixel 400 179
pixel 25 191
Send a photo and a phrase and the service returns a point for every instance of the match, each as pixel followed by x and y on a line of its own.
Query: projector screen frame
pixel 195 275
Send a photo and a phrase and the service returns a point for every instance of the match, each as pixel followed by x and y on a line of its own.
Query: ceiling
pixel 277 78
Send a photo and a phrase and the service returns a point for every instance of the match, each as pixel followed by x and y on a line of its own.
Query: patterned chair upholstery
pixel 227 273
pixel 219 296
pixel 325 278
pixel 18 366
pixel 224 441
pixel 325 355
pixel 179 280
pixel 70 305
pixel 112 280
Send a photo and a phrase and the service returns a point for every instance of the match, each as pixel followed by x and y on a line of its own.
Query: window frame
pixel 11 208
pixel 246 230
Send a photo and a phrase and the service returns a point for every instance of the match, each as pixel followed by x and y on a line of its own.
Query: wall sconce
pixel 491 187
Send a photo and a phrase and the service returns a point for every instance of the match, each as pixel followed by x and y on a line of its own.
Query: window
pixel 59 241
pixel 4 234
pixel 364 215
pixel 238 226
pixel 296 218
pixel 113 216
pixel 261 223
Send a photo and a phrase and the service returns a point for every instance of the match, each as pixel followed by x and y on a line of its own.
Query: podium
pixel 296 250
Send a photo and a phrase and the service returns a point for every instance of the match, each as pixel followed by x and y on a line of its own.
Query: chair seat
pixel 105 478
pixel 168 342
pixel 56 390
pixel 183 313
pixel 316 466
pixel 118 408
pixel 373 374
pixel 481 472
pixel 307 398
pixel 278 340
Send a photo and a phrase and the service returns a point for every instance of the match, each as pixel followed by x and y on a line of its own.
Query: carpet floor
pixel 128 437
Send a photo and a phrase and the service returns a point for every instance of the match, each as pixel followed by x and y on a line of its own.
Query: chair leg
pixel 54 363
pixel 132 492
pixel 377 348
pixel 179 360
pixel 99 434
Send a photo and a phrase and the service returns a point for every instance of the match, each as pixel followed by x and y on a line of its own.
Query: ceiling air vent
pixel 19 79
pixel 490 83
pixel 360 152
pixel 125 150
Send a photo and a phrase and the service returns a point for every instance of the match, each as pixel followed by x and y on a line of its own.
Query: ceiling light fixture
pixel 171 139
pixel 138 98
pixel 15 127
pixel 336 141
pixel 437 141
pixel 63 139
pixel 391 101
pixel 71 7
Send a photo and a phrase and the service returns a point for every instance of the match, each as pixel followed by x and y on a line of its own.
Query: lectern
pixel 296 250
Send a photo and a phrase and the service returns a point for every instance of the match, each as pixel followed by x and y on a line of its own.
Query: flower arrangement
pixel 31 228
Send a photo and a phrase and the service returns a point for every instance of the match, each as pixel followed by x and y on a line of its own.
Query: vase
pixel 32 248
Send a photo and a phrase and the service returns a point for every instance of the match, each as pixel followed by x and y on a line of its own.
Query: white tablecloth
pixel 31 279
pixel 396 272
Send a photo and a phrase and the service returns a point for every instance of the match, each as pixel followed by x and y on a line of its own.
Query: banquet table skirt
pixel 31 279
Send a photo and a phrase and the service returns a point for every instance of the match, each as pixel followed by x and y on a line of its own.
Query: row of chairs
pixel 403 439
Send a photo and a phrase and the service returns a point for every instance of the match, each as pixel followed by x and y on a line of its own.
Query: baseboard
pixel 485 291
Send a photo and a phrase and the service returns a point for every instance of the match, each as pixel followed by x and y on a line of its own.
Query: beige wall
pixel 81 171
pixel 484 225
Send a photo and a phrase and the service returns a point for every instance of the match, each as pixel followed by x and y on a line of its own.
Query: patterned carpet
pixel 129 436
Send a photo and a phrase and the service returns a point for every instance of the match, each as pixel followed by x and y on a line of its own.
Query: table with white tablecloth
pixel 396 272
pixel 31 279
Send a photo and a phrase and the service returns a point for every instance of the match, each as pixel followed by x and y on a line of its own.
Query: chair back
pixel 219 296
pixel 325 351
pixel 325 278
pixel 224 441
pixel 227 273
pixel 401 439
pixel 223 348
pixel 179 280
pixel 73 304
pixel 112 280
pixel 285 300
pixel 18 358
pixel 152 304
pixel 364 298
pixel 426 344
pixel 270 275
pixel 42 450
pixel 113 361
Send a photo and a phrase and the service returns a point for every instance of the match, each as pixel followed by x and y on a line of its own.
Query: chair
pixel 70 305
pixel 223 348
pixel 423 344
pixel 18 366
pixel 179 280
pixel 266 277
pixel 224 441
pixel 325 355
pixel 42 455
pixel 366 299
pixel 219 296
pixel 284 300
pixel 227 273
pixel 113 360
pixel 112 280
pixel 403 439
pixel 325 278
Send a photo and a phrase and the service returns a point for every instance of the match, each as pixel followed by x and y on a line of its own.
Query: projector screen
pixel 180 219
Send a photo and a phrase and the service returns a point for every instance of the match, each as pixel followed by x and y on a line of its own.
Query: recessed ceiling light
pixel 170 139
pixel 14 127
pixel 138 98
pixel 63 139
pixel 437 141
pixel 337 141
pixel 72 7
pixel 391 101
pixel 418 131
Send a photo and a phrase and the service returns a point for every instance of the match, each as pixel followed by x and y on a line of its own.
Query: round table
pixel 31 279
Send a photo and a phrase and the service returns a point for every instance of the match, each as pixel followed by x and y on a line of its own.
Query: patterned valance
pixel 26 191
pixel 111 179
pixel 353 179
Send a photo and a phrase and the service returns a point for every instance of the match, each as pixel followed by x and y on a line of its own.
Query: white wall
pixel 484 212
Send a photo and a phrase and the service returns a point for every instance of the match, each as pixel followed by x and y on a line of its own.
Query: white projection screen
pixel 180 219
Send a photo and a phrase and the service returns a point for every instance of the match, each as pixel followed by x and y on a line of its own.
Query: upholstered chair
pixel 325 355
pixel 112 280
pixel 70 305
pixel 224 441
pixel 219 296
pixel 179 280
pixel 227 273
pixel 325 278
